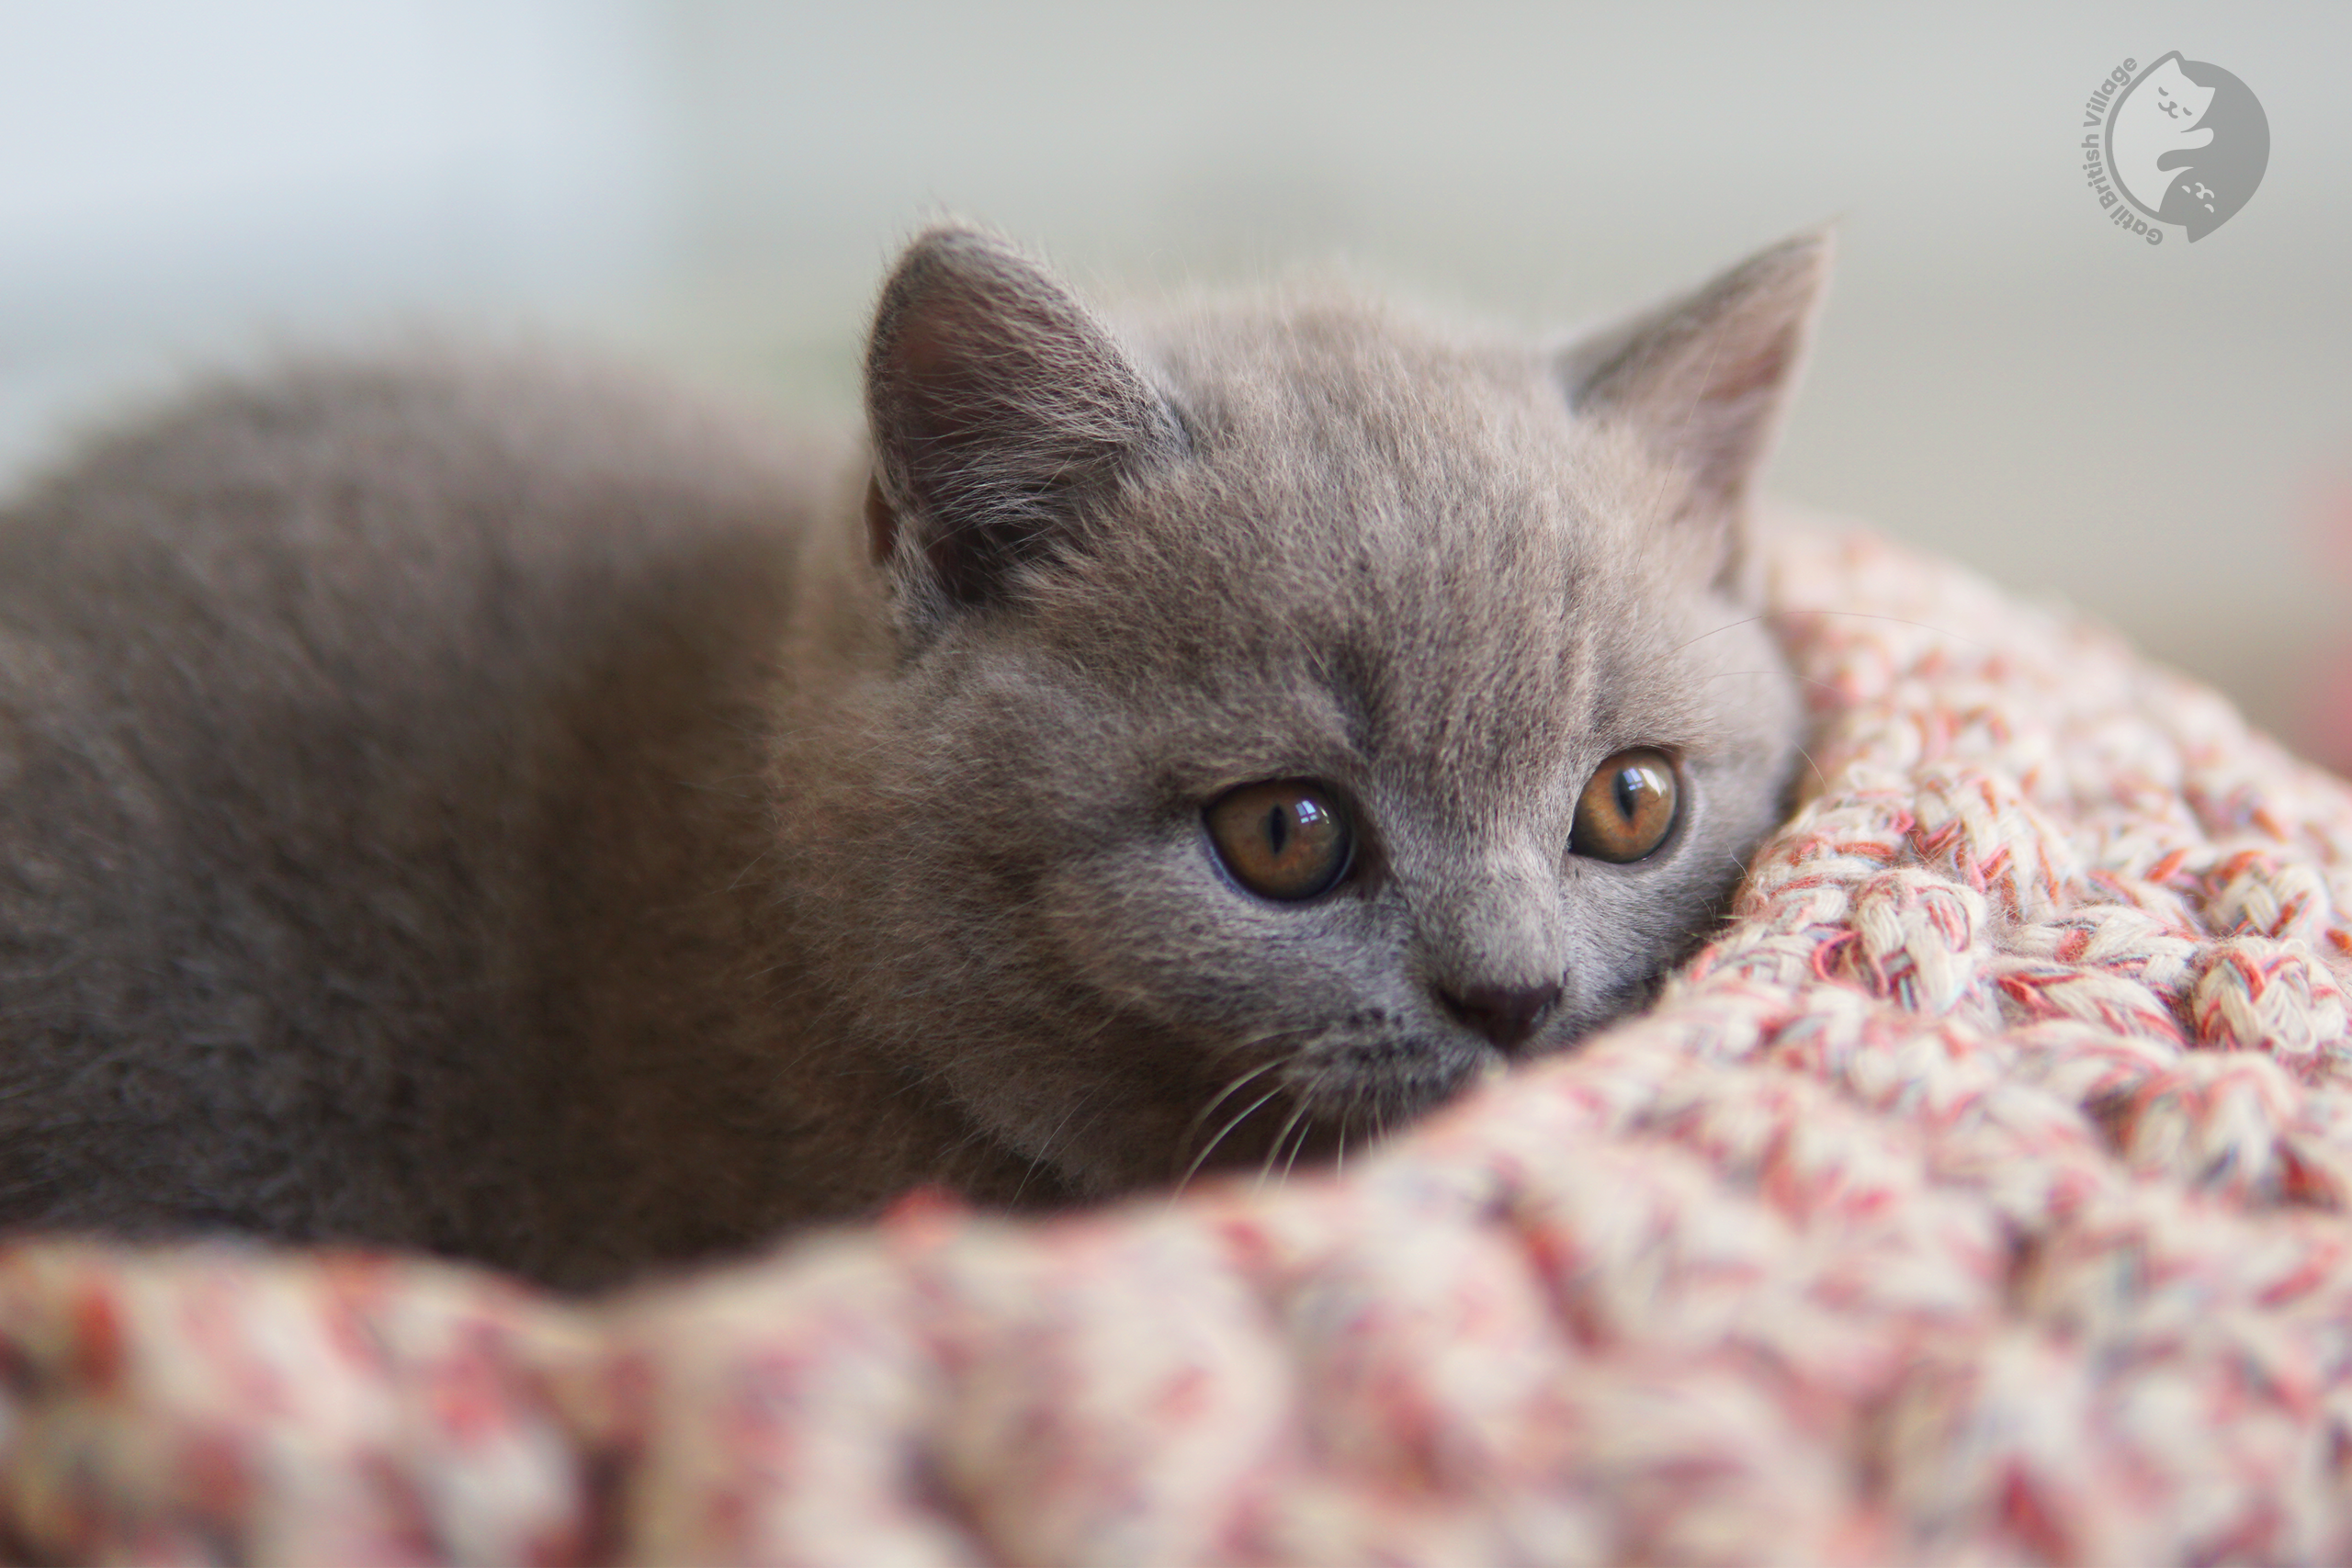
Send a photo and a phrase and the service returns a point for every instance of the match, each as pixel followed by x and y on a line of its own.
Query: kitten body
pixel 501 808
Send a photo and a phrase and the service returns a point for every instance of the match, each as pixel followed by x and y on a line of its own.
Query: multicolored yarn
pixel 1980 1195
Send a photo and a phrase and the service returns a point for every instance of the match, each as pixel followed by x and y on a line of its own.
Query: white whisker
pixel 1205 1111
pixel 1194 1170
pixel 1274 1152
pixel 1306 1131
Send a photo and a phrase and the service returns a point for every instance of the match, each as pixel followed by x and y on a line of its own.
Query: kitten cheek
pixel 1169 947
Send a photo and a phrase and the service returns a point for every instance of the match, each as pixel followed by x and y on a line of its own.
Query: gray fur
pixel 499 808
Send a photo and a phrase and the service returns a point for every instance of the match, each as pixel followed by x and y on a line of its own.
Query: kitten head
pixel 1296 708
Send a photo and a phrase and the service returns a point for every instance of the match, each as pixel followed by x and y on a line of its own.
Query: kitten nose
pixel 1504 1014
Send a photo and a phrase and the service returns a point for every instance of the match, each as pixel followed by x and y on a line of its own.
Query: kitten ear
pixel 997 403
pixel 1703 377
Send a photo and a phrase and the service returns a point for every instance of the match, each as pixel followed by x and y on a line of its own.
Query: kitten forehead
pixel 1414 524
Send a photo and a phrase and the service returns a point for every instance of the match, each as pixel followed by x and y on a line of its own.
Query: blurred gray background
pixel 2162 436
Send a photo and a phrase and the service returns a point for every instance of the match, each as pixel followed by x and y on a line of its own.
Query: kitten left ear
pixel 1704 379
pixel 998 406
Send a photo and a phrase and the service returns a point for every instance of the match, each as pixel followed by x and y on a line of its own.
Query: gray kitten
pixel 499 808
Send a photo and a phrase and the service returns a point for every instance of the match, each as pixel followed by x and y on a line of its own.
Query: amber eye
pixel 1286 840
pixel 1628 807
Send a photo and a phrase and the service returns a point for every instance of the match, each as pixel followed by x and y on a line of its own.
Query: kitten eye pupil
pixel 1285 840
pixel 1629 806
pixel 1631 786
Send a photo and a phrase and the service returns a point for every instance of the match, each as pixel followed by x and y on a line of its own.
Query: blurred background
pixel 2160 436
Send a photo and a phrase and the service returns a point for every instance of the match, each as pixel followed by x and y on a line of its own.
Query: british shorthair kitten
pixel 502 808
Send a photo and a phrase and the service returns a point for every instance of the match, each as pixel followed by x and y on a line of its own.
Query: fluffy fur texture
pixel 498 809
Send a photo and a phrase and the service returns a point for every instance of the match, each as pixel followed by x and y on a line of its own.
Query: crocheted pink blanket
pixel 1980 1195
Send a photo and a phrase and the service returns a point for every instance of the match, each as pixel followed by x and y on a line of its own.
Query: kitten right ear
pixel 1704 379
pixel 997 403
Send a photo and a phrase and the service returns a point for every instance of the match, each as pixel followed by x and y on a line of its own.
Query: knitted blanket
pixel 1979 1194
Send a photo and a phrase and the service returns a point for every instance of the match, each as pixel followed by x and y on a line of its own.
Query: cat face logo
pixel 2186 142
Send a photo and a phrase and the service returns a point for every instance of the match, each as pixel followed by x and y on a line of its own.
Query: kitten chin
pixel 502 808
